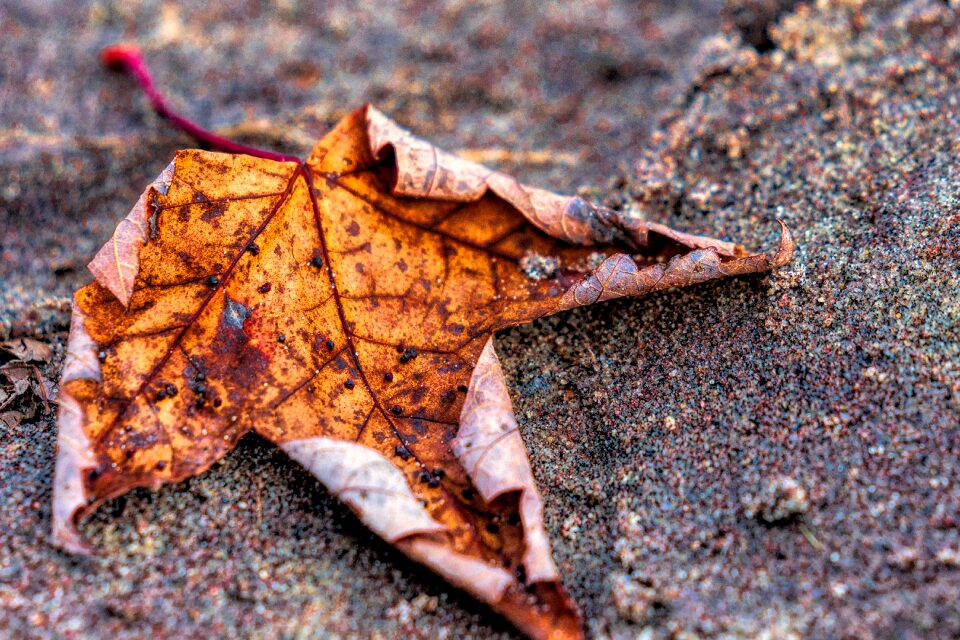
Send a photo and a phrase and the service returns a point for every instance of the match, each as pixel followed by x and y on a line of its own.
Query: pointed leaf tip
pixel 786 248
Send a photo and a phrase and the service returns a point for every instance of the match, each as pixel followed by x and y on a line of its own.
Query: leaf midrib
pixel 149 378
pixel 304 171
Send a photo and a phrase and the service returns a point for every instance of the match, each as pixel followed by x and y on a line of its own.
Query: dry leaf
pixel 27 349
pixel 344 308
pixel 21 387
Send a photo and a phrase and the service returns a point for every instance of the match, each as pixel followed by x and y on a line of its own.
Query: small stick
pixel 128 58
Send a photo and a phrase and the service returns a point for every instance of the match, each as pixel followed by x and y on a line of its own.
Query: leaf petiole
pixel 128 58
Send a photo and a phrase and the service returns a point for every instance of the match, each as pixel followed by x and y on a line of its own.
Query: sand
pixel 771 456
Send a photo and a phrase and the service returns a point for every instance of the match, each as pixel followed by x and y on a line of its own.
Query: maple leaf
pixel 344 307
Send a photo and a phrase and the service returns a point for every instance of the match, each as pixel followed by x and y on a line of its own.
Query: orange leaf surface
pixel 344 308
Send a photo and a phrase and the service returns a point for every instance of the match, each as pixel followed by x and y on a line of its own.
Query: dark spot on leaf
pixel 210 214
pixel 265 287
pixel 213 281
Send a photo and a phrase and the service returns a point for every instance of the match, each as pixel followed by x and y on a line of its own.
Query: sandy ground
pixel 772 456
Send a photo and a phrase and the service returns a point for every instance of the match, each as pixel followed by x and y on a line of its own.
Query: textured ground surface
pixel 773 455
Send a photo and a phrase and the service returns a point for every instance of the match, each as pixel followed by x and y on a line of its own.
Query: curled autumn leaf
pixel 344 307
